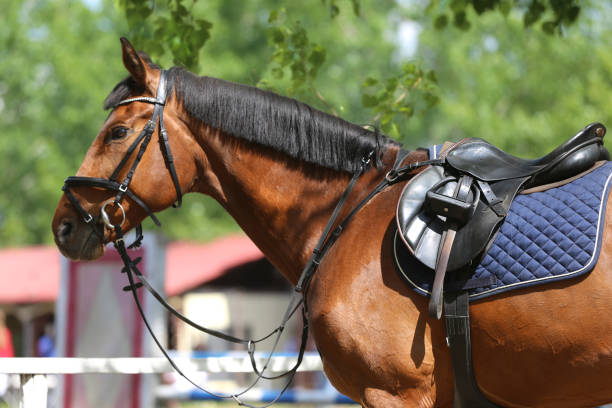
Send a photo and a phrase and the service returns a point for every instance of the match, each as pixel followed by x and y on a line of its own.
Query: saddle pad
pixel 547 236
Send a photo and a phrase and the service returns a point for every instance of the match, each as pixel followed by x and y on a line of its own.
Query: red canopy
pixel 32 274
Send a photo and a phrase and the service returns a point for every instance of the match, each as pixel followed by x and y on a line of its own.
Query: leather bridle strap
pixel 77 181
pixel 296 301
pixel 327 240
pixel 143 139
pixel 145 136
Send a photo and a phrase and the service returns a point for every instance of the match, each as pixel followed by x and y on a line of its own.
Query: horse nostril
pixel 64 231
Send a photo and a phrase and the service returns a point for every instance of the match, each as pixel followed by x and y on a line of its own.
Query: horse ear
pixel 133 62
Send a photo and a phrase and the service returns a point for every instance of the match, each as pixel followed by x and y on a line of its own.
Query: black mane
pixel 266 118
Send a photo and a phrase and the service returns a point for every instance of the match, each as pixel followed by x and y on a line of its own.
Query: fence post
pixel 32 391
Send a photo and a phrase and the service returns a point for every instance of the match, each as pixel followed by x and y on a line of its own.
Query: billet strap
pixel 458 339
pixel 495 203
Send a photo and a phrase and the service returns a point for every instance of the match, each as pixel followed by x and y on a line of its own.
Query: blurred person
pixel 6 350
pixel 6 339
pixel 45 346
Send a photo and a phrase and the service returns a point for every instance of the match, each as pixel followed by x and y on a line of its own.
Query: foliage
pixel 519 88
pixel 413 90
pixel 523 90
pixel 294 51
pixel 168 27
pixel 554 15
pixel 52 84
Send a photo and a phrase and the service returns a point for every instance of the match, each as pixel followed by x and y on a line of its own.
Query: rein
pixel 137 279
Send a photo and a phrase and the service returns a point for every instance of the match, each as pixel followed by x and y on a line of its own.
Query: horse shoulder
pixel 371 330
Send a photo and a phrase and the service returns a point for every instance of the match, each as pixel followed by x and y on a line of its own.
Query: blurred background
pixel 523 74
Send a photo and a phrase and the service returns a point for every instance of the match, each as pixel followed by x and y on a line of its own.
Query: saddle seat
pixel 486 162
pixel 449 213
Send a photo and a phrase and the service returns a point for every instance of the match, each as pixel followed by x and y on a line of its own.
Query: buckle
pixel 391 176
pixel 149 127
pixel 88 219
pixel 365 160
pixel 123 187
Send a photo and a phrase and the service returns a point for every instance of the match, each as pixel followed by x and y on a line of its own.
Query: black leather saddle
pixel 486 162
pixel 448 214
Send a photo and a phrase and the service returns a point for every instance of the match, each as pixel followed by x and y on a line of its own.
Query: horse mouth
pixel 85 244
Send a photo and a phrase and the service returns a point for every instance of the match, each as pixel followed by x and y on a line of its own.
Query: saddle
pixel 449 213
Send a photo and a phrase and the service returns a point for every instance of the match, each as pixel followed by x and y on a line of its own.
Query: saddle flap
pixel 421 227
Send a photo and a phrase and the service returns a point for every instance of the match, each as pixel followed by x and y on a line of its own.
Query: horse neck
pixel 282 204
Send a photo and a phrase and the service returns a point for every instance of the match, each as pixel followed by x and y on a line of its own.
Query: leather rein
pixel 137 279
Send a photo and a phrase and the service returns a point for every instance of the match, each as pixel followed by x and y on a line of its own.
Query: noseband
pixel 122 188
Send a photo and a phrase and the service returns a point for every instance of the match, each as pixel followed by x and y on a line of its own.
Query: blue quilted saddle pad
pixel 547 236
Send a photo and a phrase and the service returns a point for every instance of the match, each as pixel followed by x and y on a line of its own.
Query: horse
pixel 279 167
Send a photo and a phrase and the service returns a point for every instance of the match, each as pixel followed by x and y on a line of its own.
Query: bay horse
pixel 279 167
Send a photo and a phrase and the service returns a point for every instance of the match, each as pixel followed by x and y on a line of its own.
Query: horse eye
pixel 119 133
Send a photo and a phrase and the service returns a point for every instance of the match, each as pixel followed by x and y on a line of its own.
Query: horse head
pixel 123 177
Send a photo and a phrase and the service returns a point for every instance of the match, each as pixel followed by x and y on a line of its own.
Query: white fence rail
pixel 34 385
pixel 143 365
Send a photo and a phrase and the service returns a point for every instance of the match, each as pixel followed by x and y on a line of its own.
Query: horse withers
pixel 279 167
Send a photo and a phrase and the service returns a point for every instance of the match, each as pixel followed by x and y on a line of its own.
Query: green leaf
pixel 431 76
pixel 369 81
pixel 480 6
pixel 458 5
pixel 277 35
pixel 317 56
pixel 386 118
pixel 298 73
pixel 533 13
pixel 441 22
pixel 409 68
pixel 273 16
pixel 460 21
pixel 549 27
pixel 333 10
pixel 572 14
pixel 369 100
pixel 406 110
pixel 278 73
pixel 391 84
pixel 393 130
pixel 356 7
pixel 505 6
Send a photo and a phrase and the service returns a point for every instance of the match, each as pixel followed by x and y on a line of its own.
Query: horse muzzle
pixel 77 239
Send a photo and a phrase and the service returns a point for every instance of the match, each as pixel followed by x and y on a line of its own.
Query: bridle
pixel 122 188
pixel 137 279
